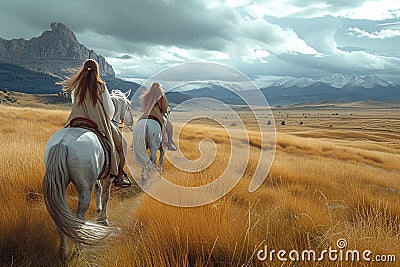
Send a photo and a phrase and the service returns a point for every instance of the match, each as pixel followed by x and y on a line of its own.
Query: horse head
pixel 127 93
pixel 122 107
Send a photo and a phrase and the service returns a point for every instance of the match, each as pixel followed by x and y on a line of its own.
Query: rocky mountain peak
pixel 57 51
pixel 60 29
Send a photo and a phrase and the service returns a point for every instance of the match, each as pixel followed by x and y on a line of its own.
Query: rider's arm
pixel 163 104
pixel 107 102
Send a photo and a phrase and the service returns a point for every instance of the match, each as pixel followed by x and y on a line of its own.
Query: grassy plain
pixel 335 176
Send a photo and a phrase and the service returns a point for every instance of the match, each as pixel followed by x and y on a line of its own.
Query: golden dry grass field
pixel 336 176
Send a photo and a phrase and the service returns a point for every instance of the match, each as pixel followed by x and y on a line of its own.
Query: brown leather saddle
pixel 151 117
pixel 88 124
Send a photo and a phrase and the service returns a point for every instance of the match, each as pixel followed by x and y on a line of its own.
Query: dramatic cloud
pixel 382 34
pixel 356 9
pixel 263 39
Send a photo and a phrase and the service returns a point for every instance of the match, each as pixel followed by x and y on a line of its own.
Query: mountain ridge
pixel 336 80
pixel 56 51
pixel 289 91
pixel 334 87
pixel 36 65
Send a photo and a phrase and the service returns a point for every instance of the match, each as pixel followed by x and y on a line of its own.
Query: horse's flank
pixel 73 155
pixel 147 135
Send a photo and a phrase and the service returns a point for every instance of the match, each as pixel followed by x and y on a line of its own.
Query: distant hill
pixel 216 91
pixel 116 83
pixel 47 101
pixel 176 97
pixel 21 79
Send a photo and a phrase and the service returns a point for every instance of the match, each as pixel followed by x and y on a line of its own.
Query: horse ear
pixel 128 93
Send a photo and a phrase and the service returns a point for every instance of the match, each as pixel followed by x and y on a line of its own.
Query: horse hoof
pixel 103 222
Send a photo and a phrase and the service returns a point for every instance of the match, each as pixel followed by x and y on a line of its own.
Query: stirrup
pixel 119 181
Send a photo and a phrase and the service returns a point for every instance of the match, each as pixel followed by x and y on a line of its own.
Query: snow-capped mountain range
pixel 335 80
pixel 289 90
pixel 335 87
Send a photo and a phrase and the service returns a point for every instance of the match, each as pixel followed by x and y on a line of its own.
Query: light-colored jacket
pixel 156 107
pixel 101 114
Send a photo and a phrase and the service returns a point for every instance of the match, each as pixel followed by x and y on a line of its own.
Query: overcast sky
pixel 263 39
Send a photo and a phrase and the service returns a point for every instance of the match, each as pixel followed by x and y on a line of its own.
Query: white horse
pixel 147 134
pixel 122 112
pixel 76 155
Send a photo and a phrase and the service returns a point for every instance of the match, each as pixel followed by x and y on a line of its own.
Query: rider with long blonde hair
pixel 155 106
pixel 91 99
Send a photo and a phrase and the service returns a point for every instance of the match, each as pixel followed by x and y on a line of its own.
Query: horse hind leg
pixel 83 203
pixel 84 186
pixel 98 189
pixel 153 155
pixel 105 196
pixel 161 160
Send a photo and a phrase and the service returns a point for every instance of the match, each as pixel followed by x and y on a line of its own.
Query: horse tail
pixel 55 182
pixel 139 143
